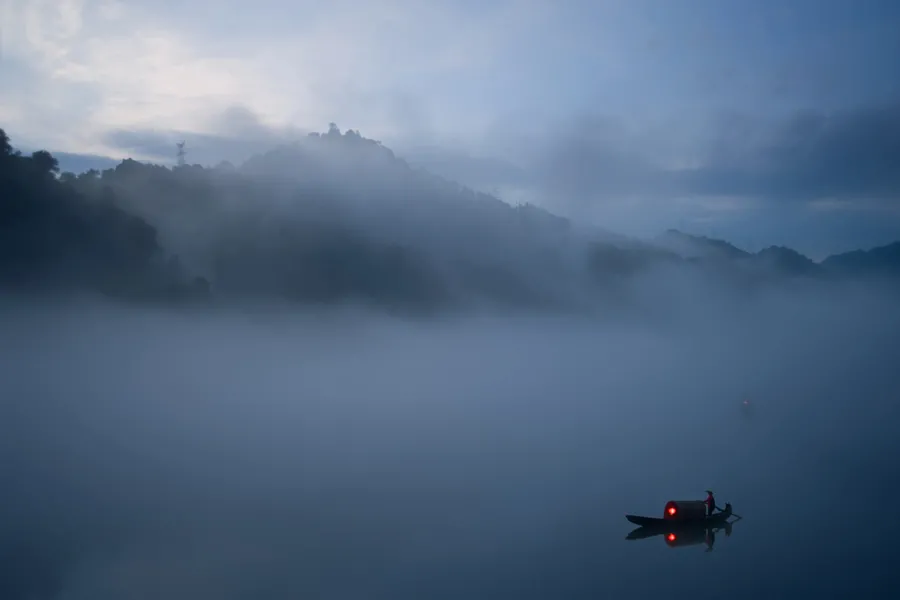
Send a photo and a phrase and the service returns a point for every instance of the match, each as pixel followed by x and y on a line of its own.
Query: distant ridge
pixel 335 218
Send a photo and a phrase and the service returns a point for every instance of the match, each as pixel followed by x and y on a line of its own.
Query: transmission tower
pixel 181 154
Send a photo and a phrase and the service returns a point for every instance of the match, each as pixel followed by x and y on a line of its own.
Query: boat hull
pixel 655 522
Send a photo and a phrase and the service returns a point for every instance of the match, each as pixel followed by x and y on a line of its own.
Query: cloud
pixel 374 67
pixel 476 171
pixel 79 163
pixel 846 155
pixel 746 174
pixel 597 158
pixel 238 134
pixel 603 165
pixel 603 111
pixel 95 65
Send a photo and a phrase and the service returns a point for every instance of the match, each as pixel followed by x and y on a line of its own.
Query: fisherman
pixel 710 503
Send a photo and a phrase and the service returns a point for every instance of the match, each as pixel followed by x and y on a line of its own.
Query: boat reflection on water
pixel 684 534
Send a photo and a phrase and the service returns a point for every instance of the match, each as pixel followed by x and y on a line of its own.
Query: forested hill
pixel 54 236
pixel 332 218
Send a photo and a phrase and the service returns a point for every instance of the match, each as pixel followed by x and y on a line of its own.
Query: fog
pixel 343 453
pixel 443 349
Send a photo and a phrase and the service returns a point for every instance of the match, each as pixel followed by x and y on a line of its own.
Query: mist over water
pixel 559 263
pixel 151 454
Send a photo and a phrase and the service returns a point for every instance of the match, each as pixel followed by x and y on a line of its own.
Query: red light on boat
pixel 672 510
pixel 671 537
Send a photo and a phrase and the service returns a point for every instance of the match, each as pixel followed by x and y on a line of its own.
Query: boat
pixel 716 519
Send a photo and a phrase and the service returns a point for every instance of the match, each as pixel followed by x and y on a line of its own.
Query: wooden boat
pixel 713 520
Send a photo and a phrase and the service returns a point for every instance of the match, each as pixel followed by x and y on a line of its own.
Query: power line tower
pixel 181 154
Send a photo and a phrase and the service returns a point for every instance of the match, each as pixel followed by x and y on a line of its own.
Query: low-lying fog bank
pixel 228 454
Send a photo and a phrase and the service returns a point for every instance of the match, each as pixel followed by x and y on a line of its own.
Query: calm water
pixel 149 459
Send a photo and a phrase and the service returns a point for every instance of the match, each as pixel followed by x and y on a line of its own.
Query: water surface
pixel 148 455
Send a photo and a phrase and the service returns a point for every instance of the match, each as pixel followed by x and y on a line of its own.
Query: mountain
pixel 335 218
pixel 884 260
pixel 786 260
pixel 693 247
pixel 54 239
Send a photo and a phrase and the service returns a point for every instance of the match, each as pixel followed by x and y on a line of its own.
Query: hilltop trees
pixel 55 237
pixel 337 217
pixel 328 219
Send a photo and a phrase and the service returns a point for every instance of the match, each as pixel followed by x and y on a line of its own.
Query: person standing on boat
pixel 710 503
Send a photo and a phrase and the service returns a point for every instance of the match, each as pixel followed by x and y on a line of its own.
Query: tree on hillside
pixel 5 147
pixel 53 236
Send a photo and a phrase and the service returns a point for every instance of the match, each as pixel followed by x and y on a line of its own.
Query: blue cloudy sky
pixel 761 121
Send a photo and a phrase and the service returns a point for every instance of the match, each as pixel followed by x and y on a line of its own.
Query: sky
pixel 767 122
